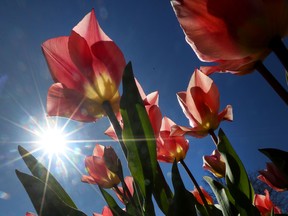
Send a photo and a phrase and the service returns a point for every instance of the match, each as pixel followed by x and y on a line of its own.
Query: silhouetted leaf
pixel 45 201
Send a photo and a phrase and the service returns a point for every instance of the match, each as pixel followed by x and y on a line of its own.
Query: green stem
pixel 214 137
pixel 116 126
pixel 196 185
pixel 279 48
pixel 278 88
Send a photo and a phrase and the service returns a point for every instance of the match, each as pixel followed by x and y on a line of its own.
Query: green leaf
pixel 223 197
pixel 183 202
pixel 278 157
pixel 162 192
pixel 39 171
pixel 236 177
pixel 138 136
pixel 117 211
pixel 45 201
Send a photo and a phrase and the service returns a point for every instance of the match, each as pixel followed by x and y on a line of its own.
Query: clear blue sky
pixel 149 35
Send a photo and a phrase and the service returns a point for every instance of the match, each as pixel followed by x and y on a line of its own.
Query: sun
pixel 53 142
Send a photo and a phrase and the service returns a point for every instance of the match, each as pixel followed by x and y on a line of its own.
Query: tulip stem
pixel 214 137
pixel 279 48
pixel 278 88
pixel 196 185
pixel 116 126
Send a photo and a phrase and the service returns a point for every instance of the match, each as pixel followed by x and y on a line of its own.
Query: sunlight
pixel 53 142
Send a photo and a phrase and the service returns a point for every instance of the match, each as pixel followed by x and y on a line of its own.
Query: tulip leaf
pixel 183 202
pixel 45 201
pixel 39 171
pixel 223 197
pixel 162 193
pixel 117 211
pixel 278 157
pixel 236 178
pixel 138 136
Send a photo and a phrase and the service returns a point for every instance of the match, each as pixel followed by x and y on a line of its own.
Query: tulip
pixel 208 198
pixel 170 148
pixel 87 68
pixel 98 172
pixel 215 164
pixel 235 34
pixel 200 103
pixel 265 205
pixel 105 212
pixel 274 177
pixel 151 105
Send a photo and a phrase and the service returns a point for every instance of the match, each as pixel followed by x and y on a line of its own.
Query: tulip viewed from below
pixel 98 172
pixel 87 68
pixel 200 104
pixel 232 32
pixel 215 164
pixel 265 205
pixel 274 177
pixel 170 148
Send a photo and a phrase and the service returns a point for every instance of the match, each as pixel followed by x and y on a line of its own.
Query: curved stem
pixel 214 137
pixel 279 89
pixel 196 185
pixel 279 48
pixel 116 126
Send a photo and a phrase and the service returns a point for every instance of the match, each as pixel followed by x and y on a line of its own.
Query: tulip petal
pixel 81 55
pixel 62 69
pixel 90 30
pixel 109 54
pixel 70 103
pixel 226 114
pixel 203 29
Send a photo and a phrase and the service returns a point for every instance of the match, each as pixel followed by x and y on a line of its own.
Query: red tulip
pixel 274 177
pixel 200 104
pixel 151 105
pixel 215 164
pixel 208 198
pixel 170 148
pixel 98 172
pixel 105 212
pixel 265 205
pixel 232 32
pixel 87 67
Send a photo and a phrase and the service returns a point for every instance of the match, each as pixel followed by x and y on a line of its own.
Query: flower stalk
pixel 280 50
pixel 196 185
pixel 116 126
pixel 273 82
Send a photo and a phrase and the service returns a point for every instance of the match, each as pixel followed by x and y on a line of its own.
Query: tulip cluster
pixel 87 68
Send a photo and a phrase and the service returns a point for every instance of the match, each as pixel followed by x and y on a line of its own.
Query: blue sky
pixel 149 35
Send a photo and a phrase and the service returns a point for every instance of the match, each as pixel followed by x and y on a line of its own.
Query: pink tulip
pixel 87 68
pixel 98 172
pixel 215 164
pixel 274 177
pixel 208 198
pixel 265 205
pixel 151 105
pixel 170 148
pixel 233 33
pixel 105 212
pixel 200 104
